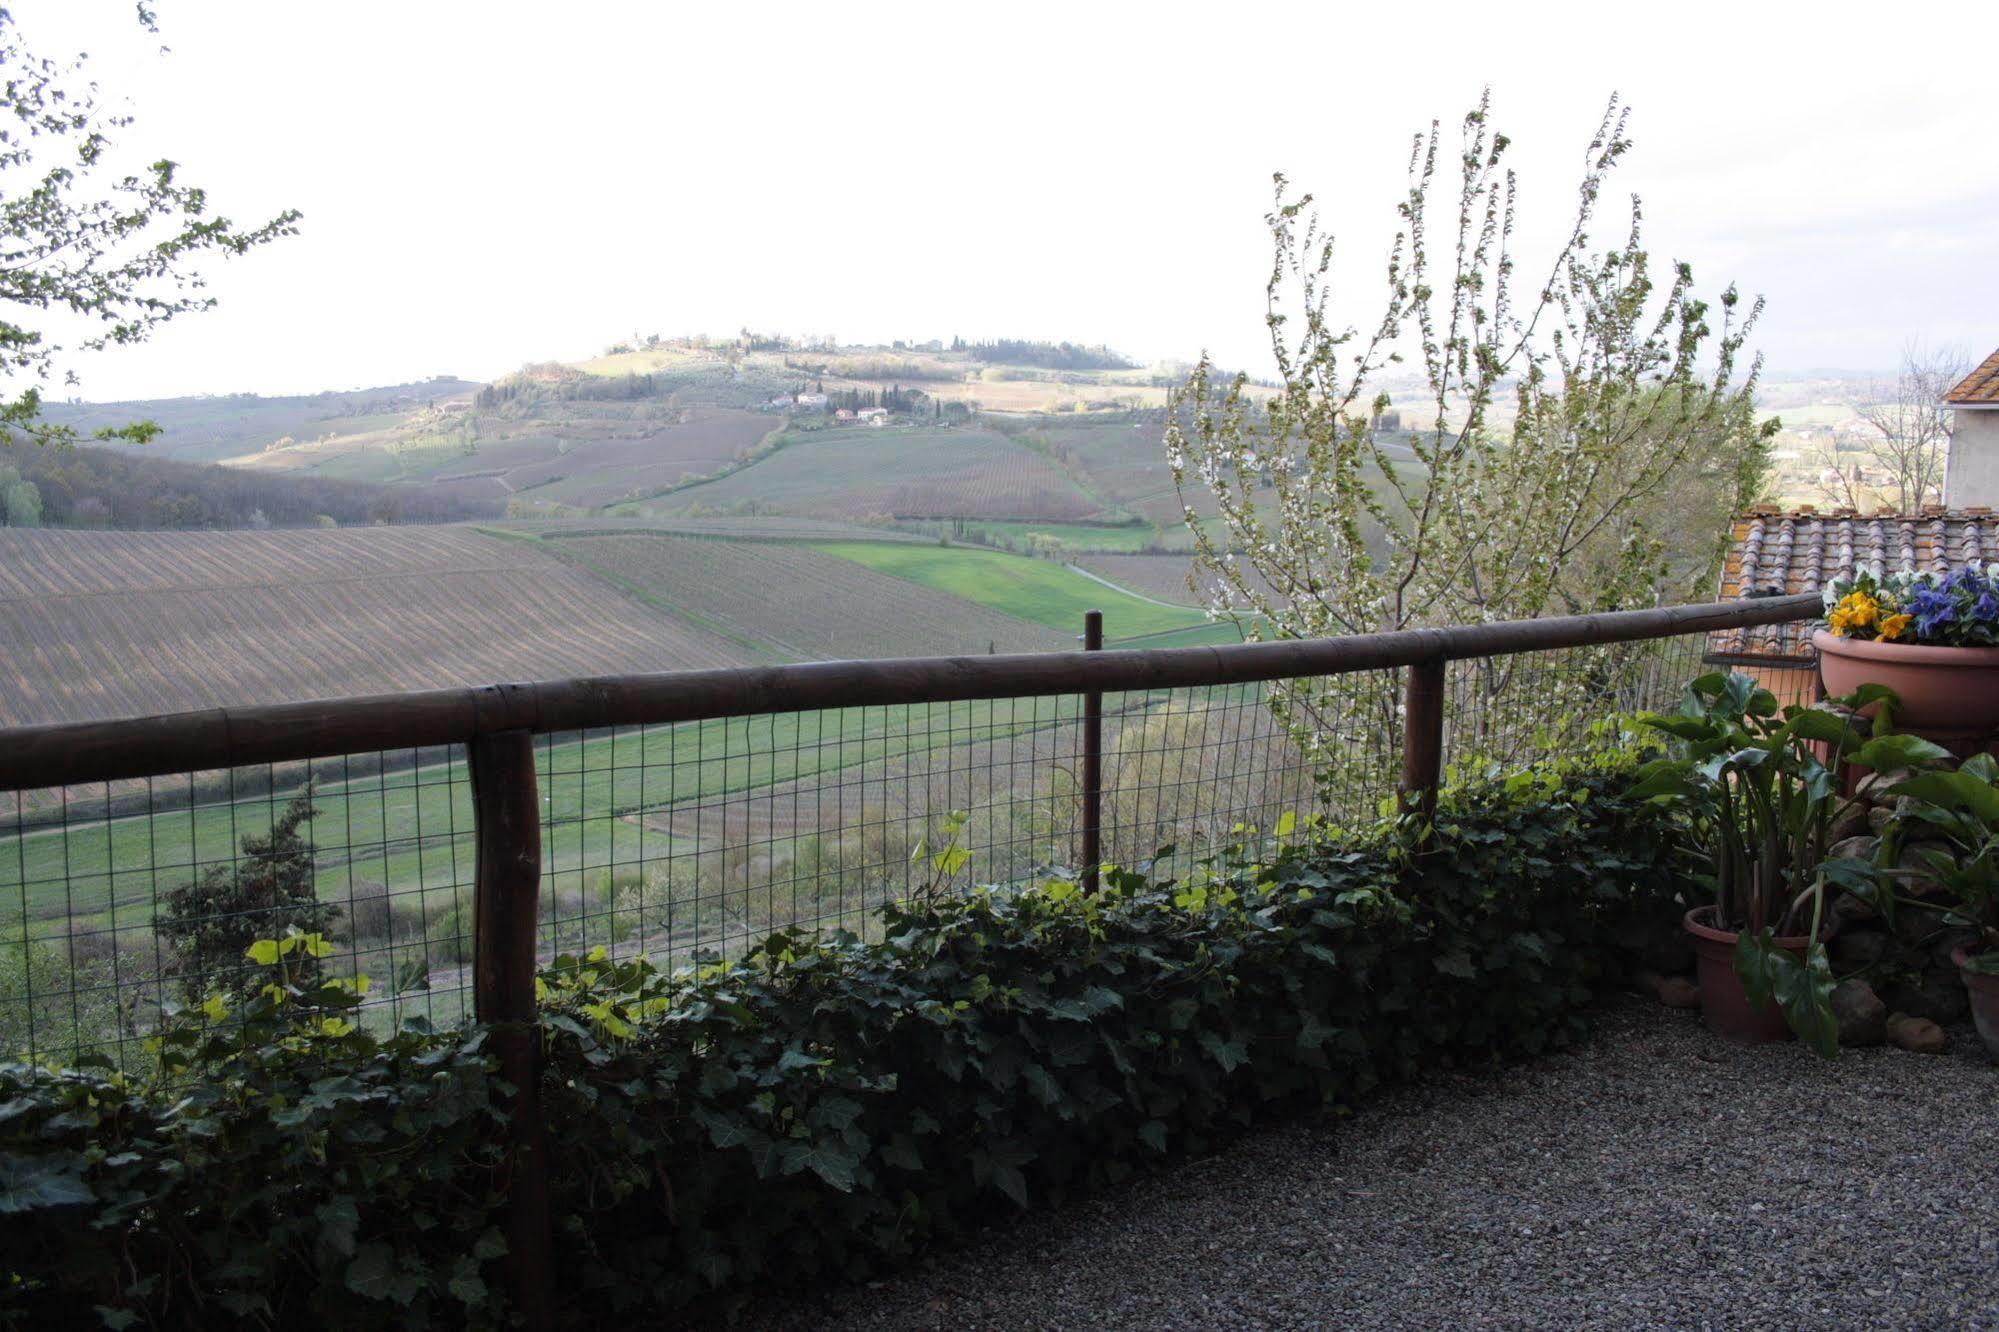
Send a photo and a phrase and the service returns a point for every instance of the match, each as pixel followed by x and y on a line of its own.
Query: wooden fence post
pixel 1422 736
pixel 1093 760
pixel 507 812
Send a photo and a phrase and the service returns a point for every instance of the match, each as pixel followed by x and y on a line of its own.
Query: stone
pixel 1877 818
pixel 1863 1018
pixel 1917 1035
pixel 1873 788
pixel 1857 947
pixel 1921 880
pixel 1936 995
pixel 1860 848
pixel 1679 992
pixel 1851 821
pixel 1850 908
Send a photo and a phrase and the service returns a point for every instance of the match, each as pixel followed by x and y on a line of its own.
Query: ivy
pixel 822 1108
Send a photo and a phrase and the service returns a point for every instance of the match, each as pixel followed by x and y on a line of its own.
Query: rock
pixel 1863 1018
pixel 1873 788
pixel 1877 818
pixel 1861 847
pixel 1850 908
pixel 1917 1035
pixel 1646 981
pixel 1922 880
pixel 1935 996
pixel 1850 822
pixel 1679 992
pixel 1856 947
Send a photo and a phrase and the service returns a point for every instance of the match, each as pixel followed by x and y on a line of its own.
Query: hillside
pixel 107 624
pixel 794 602
pixel 1060 438
pixel 129 490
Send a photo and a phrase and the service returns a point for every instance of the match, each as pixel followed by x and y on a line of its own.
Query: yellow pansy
pixel 1855 611
pixel 1894 626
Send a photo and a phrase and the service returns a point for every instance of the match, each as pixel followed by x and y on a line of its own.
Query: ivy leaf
pixel 28 1185
pixel 466 1285
pixel 1457 964
pixel 374 1275
pixel 834 1163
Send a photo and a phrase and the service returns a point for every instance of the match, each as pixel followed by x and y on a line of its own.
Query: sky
pixel 494 183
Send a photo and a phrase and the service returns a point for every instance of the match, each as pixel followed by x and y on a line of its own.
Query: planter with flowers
pixel 1932 638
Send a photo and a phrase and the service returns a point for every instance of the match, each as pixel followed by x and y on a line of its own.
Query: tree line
pixel 1045 355
pixel 90 487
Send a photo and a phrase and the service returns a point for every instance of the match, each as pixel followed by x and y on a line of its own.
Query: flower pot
pixel 1724 1006
pixel 1984 992
pixel 1946 691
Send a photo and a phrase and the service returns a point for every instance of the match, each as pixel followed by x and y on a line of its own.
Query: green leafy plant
pixel 1758 788
pixel 282 1165
pixel 823 1107
pixel 1961 810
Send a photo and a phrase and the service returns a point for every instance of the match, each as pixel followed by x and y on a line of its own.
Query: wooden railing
pixel 497 725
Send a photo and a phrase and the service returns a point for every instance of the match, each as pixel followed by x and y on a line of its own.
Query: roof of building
pixel 1773 553
pixel 1979 388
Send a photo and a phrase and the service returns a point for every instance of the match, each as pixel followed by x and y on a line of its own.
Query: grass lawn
pixel 413 829
pixel 1037 590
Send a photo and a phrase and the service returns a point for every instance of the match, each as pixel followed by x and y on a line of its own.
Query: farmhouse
pixel 811 402
pixel 1971 474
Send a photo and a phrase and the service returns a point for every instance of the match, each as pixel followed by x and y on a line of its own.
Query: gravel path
pixel 1657 1177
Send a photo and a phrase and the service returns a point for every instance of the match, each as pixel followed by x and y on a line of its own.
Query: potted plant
pixel 1931 637
pixel 1960 811
pixel 1758 788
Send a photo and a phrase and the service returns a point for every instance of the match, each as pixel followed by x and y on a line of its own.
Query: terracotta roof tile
pixel 1980 386
pixel 1772 553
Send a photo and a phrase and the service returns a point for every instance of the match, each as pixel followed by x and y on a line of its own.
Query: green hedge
pixel 822 1109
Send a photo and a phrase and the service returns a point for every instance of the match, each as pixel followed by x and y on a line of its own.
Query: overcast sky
pixel 486 184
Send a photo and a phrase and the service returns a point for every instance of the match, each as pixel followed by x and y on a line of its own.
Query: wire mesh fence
pixel 120 899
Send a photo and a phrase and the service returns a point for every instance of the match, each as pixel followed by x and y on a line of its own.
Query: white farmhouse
pixel 1971 473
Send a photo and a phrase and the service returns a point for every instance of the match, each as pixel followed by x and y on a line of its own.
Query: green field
pixel 413 829
pixel 1037 590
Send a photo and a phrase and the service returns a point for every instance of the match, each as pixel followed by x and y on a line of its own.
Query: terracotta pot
pixel 1948 690
pixel 1724 1006
pixel 1984 992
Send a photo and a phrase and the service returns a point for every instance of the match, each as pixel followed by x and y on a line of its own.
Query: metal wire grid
pixel 116 902
pixel 675 840
pixel 678 840
pixel 1505 713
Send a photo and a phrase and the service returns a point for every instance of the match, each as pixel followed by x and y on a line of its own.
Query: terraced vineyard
pixel 799 603
pixel 904 471
pixel 105 624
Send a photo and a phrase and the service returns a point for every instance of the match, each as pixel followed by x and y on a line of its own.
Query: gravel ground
pixel 1656 1177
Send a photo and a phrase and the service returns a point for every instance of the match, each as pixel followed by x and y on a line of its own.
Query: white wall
pixel 1972 473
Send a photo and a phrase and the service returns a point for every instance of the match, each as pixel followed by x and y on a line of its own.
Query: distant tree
pixel 1914 427
pixel 206 925
pixel 20 500
pixel 115 253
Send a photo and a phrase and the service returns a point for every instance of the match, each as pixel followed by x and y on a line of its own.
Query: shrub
pixel 208 923
pixel 821 1109
pixel 284 1167
pixel 824 1107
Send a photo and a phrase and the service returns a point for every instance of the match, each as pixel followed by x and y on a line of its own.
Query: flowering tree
pixel 1580 444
